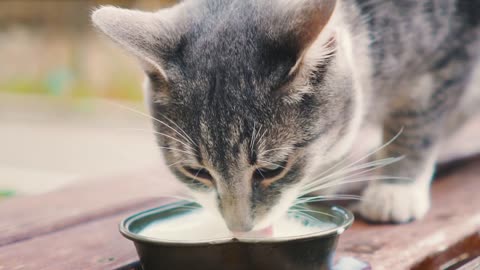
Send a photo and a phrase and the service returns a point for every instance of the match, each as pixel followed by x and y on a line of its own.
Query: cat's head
pixel 249 97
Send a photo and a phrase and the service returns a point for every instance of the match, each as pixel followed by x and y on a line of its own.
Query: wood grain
pixel 455 214
pixel 27 217
pixel 94 245
pixel 473 265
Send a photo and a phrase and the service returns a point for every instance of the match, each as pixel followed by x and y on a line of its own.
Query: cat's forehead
pixel 231 49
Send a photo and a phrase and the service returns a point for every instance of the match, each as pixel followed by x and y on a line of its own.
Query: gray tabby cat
pixel 253 98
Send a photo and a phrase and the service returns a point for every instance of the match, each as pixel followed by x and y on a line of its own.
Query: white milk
pixel 200 225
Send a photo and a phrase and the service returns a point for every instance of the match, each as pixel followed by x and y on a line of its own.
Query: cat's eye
pixel 198 173
pixel 269 171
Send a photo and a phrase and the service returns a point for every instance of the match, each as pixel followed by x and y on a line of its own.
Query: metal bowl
pixel 299 252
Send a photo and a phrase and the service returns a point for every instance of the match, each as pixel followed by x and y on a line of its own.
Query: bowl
pixel 313 250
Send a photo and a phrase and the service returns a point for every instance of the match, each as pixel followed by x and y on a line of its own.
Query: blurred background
pixel 62 91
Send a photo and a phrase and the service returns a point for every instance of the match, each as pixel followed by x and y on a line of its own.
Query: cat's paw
pixel 395 203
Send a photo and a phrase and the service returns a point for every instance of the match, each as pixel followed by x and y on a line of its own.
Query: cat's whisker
pixel 342 180
pixel 356 170
pixel 148 116
pixel 345 180
pixel 373 166
pixel 177 150
pixel 260 172
pixel 160 133
pixel 277 149
pixel 182 130
pixel 196 174
pixel 321 198
pixel 331 199
pixel 378 149
pixel 361 158
pixel 175 163
pixel 373 178
pixel 331 183
pixel 328 172
pixel 370 166
pixel 328 196
pixel 252 140
pixel 322 176
pixel 271 163
pixel 262 143
pixel 306 210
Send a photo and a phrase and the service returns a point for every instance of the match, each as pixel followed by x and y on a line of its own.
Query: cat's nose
pixel 239 228
pixel 237 217
pixel 235 205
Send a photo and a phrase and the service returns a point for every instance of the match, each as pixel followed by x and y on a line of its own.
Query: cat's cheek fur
pixel 333 147
pixel 322 154
pixel 287 199
pixel 208 200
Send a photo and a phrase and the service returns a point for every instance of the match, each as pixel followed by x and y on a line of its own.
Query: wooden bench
pixel 76 227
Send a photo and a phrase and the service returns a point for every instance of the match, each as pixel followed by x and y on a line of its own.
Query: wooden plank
pixel 455 215
pixel 26 217
pixel 95 246
pixel 473 265
pixel 455 256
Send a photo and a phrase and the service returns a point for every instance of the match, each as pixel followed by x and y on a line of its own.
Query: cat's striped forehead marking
pixel 226 149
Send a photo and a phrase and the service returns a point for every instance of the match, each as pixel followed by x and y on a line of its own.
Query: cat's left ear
pixel 299 23
pixel 147 35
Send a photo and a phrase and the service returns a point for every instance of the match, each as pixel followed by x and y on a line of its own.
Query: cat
pixel 254 100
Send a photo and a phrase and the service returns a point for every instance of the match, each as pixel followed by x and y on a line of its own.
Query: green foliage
pixel 7 193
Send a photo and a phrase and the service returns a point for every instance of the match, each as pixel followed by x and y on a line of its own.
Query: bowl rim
pixel 137 238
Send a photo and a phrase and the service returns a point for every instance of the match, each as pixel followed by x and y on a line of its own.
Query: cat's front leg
pixel 398 201
pixel 406 196
pixel 419 122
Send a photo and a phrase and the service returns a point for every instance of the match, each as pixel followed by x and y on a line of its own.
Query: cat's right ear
pixel 147 35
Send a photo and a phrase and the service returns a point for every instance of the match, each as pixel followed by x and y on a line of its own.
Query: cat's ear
pixel 147 35
pixel 301 22
pixel 299 25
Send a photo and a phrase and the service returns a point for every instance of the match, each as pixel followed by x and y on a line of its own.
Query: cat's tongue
pixel 266 232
